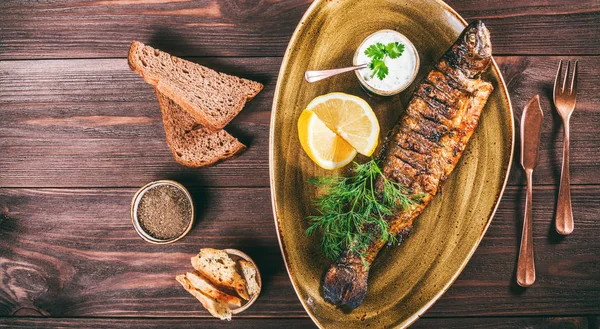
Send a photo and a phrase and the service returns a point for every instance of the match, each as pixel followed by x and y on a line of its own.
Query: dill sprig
pixel 351 213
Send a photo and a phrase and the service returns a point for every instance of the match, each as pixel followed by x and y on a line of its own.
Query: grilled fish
pixel 422 150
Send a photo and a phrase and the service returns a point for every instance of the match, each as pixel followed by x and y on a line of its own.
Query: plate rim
pixel 502 84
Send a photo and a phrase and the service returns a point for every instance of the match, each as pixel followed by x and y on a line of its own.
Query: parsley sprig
pixel 350 210
pixel 377 53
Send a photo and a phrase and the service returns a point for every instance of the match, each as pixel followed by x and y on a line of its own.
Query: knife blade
pixel 531 129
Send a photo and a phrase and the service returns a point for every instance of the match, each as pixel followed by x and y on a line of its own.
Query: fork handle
pixel 526 264
pixel 564 212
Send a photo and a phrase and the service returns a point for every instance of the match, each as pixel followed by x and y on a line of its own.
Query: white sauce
pixel 401 69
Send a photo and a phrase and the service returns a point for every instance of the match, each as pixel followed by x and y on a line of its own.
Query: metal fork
pixel 564 101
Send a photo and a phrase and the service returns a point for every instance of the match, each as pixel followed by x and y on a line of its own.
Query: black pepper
pixel 164 212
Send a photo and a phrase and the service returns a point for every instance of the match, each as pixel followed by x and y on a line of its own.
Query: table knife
pixel 531 127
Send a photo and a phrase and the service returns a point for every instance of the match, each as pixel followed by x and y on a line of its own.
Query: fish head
pixel 477 39
pixel 473 49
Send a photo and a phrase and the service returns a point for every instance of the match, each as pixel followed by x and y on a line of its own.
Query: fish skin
pixel 422 149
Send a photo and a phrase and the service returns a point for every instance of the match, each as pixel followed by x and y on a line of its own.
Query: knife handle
pixel 526 265
pixel 564 212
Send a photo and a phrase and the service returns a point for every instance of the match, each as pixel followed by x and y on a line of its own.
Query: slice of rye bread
pixel 192 144
pixel 212 98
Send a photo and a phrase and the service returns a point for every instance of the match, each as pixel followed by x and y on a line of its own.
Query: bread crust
pixel 188 129
pixel 206 287
pixel 215 307
pixel 216 266
pixel 249 272
pixel 173 92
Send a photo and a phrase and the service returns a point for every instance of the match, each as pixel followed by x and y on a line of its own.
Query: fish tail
pixel 345 283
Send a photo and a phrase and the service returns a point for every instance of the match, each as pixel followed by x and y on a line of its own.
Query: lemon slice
pixel 322 145
pixel 350 117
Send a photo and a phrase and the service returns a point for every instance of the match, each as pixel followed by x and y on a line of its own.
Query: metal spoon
pixel 314 76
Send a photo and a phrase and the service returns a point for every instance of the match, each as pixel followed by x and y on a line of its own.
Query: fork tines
pixel 573 88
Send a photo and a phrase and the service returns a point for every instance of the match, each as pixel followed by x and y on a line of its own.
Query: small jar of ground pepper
pixel 162 212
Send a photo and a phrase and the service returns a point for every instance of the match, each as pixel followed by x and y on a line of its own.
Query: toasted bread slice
pixel 219 268
pixel 249 272
pixel 212 98
pixel 201 283
pixel 192 144
pixel 217 308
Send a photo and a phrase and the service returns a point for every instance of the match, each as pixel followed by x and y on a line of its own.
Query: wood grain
pixel 70 29
pixel 92 123
pixel 96 123
pixel 68 252
pixel 565 266
pixel 458 323
pixel 528 76
pixel 74 253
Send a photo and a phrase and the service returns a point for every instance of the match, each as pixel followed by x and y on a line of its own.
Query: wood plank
pixel 97 257
pixel 96 123
pixel 537 26
pixel 566 267
pixel 458 323
pixel 66 252
pixel 88 123
pixel 528 76
pixel 69 29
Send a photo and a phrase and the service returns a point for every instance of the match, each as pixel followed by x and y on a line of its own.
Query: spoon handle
pixel 525 264
pixel 314 76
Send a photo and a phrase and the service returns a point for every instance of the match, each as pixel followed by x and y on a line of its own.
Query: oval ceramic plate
pixel 406 280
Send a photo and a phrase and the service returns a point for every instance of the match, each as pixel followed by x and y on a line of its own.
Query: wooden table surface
pixel 80 132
